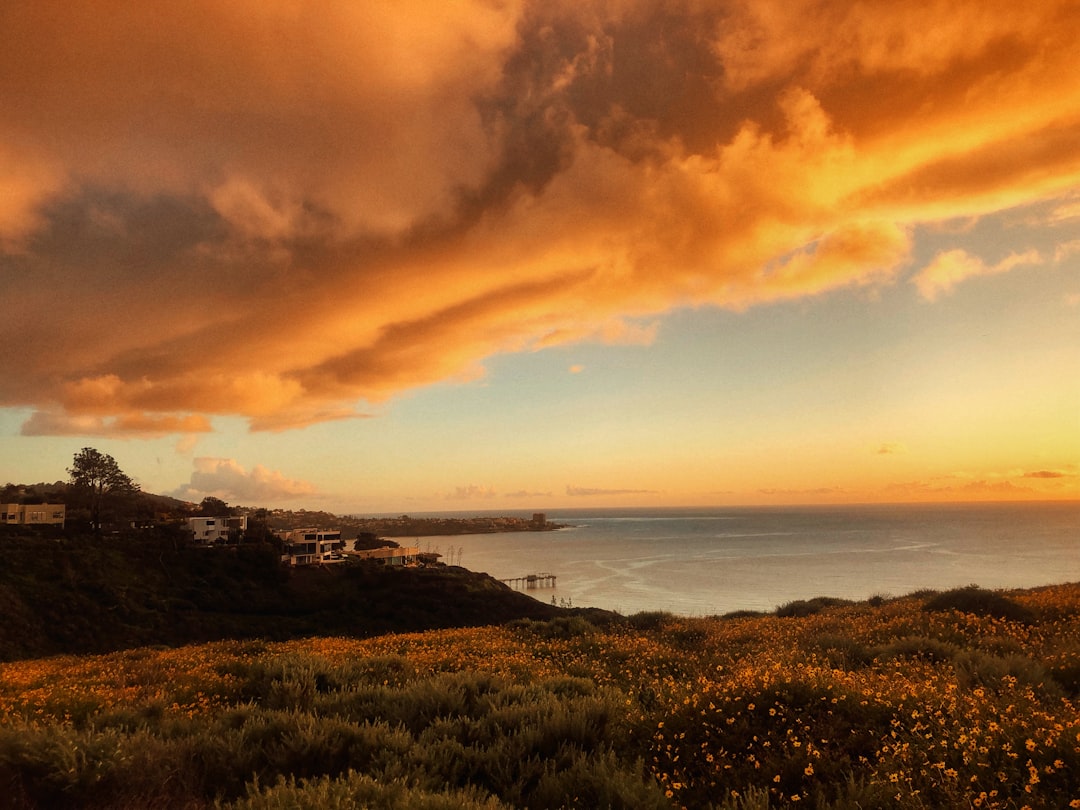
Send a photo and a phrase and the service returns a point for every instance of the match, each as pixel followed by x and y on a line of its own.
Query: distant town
pixel 99 499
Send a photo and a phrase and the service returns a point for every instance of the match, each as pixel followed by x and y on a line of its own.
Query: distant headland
pixel 405 526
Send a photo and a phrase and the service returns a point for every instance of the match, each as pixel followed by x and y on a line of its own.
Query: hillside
pixel 956 700
pixel 93 595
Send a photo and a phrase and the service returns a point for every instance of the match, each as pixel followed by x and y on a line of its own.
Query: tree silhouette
pixel 214 507
pixel 99 476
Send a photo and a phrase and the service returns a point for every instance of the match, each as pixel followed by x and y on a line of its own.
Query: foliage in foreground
pixel 884 705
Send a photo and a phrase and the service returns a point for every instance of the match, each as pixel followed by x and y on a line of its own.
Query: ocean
pixel 709 561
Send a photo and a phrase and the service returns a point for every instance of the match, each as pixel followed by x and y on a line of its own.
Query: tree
pixel 214 507
pixel 259 529
pixel 99 476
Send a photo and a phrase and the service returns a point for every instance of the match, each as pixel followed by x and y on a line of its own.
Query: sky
pixel 506 254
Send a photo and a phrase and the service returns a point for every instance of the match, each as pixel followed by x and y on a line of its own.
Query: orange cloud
pixel 261 210
pixel 950 268
pixel 225 478
pixel 141 425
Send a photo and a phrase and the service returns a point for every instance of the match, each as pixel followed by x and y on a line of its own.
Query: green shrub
pixel 808 607
pixel 565 627
pixel 843 652
pixel 649 619
pixel 1063 664
pixel 920 647
pixel 354 790
pixel 752 738
pixel 976 668
pixel 598 781
pixel 559 627
pixel 980 602
pixel 744 614
pixel 753 799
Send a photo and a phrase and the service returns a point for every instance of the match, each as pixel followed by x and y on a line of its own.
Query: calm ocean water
pixel 700 562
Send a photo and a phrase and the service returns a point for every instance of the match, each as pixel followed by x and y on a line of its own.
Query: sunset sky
pixel 488 254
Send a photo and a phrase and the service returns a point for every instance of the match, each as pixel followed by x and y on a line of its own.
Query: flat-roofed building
pixel 311 546
pixel 210 530
pixel 32 514
pixel 389 555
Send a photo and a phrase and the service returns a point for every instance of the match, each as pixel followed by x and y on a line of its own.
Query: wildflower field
pixel 962 699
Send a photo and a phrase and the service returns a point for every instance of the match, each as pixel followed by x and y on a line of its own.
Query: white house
pixel 311 546
pixel 210 530
pixel 32 514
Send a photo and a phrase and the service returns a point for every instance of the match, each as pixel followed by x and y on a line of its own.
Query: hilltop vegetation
pixel 955 700
pixel 91 594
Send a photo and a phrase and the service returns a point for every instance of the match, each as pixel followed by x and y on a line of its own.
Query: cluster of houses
pixel 299 546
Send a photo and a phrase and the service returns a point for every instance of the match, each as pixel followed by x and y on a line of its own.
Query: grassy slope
pixel 957 700
pixel 95 595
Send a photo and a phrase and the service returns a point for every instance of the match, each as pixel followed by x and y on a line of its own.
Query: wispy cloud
pixel 951 267
pixel 803 492
pixel 290 226
pixel 471 492
pixel 589 492
pixel 1066 212
pixel 978 490
pixel 141 425
pixel 890 448
pixel 1064 250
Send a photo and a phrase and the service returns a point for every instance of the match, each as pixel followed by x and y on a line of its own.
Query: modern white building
pixel 32 514
pixel 390 556
pixel 311 546
pixel 210 530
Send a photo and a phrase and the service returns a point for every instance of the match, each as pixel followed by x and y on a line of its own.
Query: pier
pixel 543 580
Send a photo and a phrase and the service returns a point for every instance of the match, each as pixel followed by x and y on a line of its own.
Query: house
pixel 210 530
pixel 311 546
pixel 32 514
pixel 390 556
